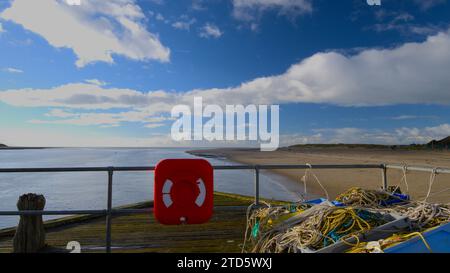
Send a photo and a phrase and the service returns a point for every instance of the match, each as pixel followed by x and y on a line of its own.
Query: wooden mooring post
pixel 30 233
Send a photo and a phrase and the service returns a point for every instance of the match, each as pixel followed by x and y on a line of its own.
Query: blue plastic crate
pixel 438 239
pixel 398 198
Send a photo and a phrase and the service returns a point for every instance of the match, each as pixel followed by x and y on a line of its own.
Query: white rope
pixel 305 178
pixel 436 193
pixel 405 171
pixel 404 178
pixel 432 179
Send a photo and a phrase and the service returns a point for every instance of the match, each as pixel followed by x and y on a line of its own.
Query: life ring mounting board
pixel 183 191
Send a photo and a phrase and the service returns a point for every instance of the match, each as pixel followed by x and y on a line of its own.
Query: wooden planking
pixel 141 233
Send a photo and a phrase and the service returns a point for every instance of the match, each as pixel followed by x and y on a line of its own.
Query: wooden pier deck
pixel 141 233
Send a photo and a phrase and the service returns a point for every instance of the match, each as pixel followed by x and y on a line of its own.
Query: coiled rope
pixel 363 198
pixel 327 225
pixel 424 215
pixel 281 229
pixel 317 227
pixel 264 218
pixel 380 245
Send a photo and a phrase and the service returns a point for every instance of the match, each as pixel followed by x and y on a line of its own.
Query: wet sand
pixel 338 181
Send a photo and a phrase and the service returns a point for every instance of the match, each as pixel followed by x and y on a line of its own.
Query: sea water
pixel 79 191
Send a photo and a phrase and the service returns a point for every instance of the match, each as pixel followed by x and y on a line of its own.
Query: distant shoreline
pixel 40 148
pixel 11 148
pixel 24 148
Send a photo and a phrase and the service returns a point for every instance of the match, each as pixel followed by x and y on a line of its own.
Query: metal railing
pixel 109 212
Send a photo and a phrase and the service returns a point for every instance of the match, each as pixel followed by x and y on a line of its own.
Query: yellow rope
pixel 312 233
pixel 389 242
pixel 363 198
pixel 324 224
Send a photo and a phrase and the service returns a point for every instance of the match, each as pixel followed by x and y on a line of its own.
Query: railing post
pixel 385 178
pixel 257 185
pixel 109 211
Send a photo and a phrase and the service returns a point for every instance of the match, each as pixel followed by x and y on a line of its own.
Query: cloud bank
pixel 95 30
pixel 413 73
pixel 42 137
pixel 403 135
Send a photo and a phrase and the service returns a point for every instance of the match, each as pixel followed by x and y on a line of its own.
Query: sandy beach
pixel 337 181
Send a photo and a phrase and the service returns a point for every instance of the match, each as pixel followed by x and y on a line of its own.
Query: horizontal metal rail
pixel 101 212
pixel 52 212
pixel 109 211
pixel 418 168
pixel 217 167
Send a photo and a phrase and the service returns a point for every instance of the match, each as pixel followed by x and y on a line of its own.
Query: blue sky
pixel 107 73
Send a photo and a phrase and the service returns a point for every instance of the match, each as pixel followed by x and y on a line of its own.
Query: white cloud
pixel 87 96
pixel 43 137
pixel 414 73
pixel 158 2
pixel 62 138
pixel 398 136
pixel 248 10
pixel 408 135
pixel 1 28
pixel 295 139
pixel 440 131
pixel 96 82
pixel 59 113
pixel 154 125
pixel 95 30
pixel 406 117
pixel 159 17
pixel 149 119
pixel 210 30
pixel 198 5
pixel 184 25
pixel 12 70
pixel 357 136
pixel 403 22
pixel 427 4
